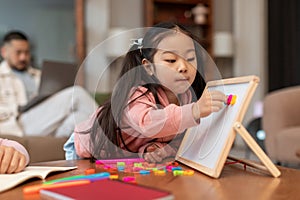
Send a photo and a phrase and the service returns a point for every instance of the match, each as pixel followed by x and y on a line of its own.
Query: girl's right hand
pixel 155 153
pixel 210 101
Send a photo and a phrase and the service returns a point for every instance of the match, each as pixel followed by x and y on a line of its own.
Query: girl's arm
pixel 147 118
pixel 82 145
pixel 150 121
pixel 81 137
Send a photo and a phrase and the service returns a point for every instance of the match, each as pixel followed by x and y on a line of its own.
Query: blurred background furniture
pixel 195 15
pixel 46 148
pixel 281 123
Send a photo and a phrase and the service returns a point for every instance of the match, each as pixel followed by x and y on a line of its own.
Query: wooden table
pixel 234 183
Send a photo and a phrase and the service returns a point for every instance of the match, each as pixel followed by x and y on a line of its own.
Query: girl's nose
pixel 182 66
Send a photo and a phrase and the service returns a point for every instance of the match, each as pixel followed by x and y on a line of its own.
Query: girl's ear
pixel 148 66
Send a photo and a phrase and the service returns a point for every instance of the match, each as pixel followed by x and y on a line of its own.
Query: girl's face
pixel 175 63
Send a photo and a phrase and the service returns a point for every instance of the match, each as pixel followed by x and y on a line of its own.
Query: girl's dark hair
pixel 106 131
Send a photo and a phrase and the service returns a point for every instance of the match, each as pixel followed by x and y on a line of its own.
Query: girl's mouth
pixel 182 79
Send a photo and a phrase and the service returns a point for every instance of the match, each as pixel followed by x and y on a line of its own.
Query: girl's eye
pixel 190 59
pixel 170 60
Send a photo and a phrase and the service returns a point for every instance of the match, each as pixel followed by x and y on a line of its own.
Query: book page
pixel 8 181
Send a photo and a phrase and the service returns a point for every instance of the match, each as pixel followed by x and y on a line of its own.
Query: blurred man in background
pixel 19 82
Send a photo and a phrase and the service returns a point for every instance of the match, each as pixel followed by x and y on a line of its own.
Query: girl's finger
pixel 218 104
pixel 218 96
pixel 22 163
pixel 150 158
pixel 215 109
pixel 155 156
pixel 6 159
pixel 13 163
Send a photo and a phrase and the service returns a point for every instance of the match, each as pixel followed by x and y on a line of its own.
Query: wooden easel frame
pixel 267 163
pixel 237 127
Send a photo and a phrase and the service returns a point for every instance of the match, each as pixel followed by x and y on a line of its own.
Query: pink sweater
pixel 17 146
pixel 145 123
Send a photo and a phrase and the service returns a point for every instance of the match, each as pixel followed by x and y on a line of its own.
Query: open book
pixel 8 181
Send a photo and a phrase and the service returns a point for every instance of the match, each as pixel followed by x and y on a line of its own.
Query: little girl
pixel 155 100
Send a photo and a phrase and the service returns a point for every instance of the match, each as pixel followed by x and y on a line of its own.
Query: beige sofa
pixel 281 122
pixel 40 149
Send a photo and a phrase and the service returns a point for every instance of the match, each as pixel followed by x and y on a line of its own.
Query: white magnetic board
pixel 205 147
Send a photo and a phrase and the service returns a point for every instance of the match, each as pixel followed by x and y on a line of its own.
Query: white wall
pixel 49 24
pixel 96 22
pixel 101 15
pixel 250 30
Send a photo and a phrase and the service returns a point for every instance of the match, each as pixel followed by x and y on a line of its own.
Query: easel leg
pixel 256 149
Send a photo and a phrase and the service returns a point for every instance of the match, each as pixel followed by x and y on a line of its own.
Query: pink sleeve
pixel 17 146
pixel 150 121
pixel 82 145
pixel 82 136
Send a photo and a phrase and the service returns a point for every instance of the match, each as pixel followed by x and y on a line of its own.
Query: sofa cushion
pixel 287 142
pixel 41 149
pixel 45 148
